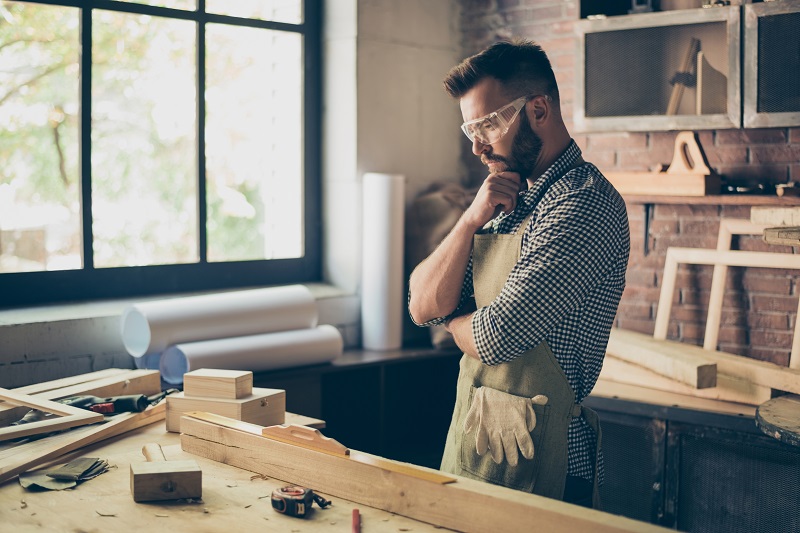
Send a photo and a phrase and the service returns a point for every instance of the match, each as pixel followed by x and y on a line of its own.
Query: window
pixel 158 146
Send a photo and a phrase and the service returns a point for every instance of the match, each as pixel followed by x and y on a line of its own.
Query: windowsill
pixel 49 342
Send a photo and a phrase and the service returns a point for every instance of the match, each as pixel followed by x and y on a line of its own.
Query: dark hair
pixel 520 65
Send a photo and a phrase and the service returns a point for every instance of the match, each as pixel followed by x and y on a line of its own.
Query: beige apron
pixel 535 372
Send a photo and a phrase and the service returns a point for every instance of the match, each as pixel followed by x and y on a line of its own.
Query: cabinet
pixel 696 471
pixel 659 71
pixel 772 64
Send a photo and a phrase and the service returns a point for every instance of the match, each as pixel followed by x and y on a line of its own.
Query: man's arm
pixel 461 328
pixel 435 285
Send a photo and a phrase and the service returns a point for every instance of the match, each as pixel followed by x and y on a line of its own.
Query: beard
pixel 525 151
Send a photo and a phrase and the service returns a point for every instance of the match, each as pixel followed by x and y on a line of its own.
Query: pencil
pixel 356 521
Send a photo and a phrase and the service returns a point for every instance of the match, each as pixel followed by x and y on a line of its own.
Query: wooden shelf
pixel 724 199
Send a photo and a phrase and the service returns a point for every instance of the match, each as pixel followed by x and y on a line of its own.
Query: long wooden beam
pixel 761 373
pixel 697 372
pixel 466 505
pixel 728 389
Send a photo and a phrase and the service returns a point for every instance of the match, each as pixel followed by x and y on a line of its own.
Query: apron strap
pixel 594 422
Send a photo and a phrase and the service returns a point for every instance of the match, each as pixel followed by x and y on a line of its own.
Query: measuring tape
pixel 296 501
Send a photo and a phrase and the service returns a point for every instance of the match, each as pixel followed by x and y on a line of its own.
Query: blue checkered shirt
pixel 565 288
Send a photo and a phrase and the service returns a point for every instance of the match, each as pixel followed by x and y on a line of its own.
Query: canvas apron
pixel 535 372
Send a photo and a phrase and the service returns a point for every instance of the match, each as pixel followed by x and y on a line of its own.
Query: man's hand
pixel 498 193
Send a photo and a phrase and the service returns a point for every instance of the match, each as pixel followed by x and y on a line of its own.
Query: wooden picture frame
pixel 67 416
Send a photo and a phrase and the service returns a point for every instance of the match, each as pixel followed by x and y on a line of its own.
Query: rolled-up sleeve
pixel 467 294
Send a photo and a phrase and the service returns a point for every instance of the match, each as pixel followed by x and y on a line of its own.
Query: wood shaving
pixel 162 515
pixel 105 514
pixel 23 504
pixel 259 476
pixel 248 506
pixel 232 486
pixel 205 510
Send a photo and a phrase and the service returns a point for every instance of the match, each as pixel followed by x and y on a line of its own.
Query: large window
pixel 157 146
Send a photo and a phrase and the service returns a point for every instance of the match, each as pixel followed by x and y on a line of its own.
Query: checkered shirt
pixel 565 288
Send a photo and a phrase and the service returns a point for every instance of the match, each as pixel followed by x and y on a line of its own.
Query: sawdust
pixel 105 514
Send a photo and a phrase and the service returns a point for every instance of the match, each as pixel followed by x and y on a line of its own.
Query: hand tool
pixel 296 501
pixel 159 479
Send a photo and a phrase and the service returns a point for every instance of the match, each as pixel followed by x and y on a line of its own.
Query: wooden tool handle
pixel 306 437
pixel 153 452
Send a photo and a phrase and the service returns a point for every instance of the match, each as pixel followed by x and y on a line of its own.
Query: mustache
pixel 486 159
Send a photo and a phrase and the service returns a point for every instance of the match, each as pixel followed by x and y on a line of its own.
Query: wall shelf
pixel 725 199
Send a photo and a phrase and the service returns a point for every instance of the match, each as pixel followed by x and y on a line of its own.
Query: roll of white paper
pixel 268 351
pixel 149 327
pixel 382 298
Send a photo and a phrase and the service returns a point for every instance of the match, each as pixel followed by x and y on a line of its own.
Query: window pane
pixel 39 128
pixel 254 170
pixel 144 163
pixel 176 4
pixel 289 11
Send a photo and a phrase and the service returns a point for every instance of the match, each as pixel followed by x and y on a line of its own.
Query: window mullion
pixel 202 212
pixel 86 138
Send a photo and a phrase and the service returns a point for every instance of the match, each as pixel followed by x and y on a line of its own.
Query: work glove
pixel 504 423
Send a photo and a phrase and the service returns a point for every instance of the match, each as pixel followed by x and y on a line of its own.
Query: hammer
pixel 159 479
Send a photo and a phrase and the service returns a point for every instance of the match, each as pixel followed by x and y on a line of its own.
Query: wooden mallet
pixel 159 479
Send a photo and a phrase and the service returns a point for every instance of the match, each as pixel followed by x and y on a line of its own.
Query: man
pixel 528 282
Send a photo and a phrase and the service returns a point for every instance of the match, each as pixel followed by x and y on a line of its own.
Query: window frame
pixel 19 289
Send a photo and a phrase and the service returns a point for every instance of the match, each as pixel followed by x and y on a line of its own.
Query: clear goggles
pixel 491 128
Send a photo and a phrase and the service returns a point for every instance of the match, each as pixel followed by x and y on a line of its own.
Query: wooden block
pixel 166 480
pixel 782 235
pixel 265 407
pixel 729 388
pixel 218 383
pixel 661 183
pixel 663 358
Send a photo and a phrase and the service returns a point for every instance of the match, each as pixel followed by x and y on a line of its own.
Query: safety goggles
pixel 491 128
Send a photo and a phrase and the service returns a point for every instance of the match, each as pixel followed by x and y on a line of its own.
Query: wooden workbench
pixel 233 499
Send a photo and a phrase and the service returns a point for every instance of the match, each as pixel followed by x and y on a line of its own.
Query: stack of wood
pixel 229 393
pixel 21 455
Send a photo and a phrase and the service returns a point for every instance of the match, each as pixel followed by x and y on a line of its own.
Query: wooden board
pixel 22 458
pixel 65 416
pixel 218 383
pixel 660 183
pixel 265 407
pixel 37 388
pixel 729 388
pixel 637 393
pixel 696 371
pixel 785 235
pixel 699 256
pixel 728 227
pixel 466 505
pixel 761 373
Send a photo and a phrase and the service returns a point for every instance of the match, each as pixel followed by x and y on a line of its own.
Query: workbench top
pixel 233 500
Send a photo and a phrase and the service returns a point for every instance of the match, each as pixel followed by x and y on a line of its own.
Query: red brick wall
pixel 760 305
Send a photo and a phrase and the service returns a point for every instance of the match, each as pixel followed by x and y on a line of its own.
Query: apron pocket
pixel 520 477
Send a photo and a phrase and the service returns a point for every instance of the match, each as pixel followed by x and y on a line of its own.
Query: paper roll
pixel 150 327
pixel 382 294
pixel 257 353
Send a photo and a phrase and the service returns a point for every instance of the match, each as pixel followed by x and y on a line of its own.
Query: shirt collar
pixel 528 199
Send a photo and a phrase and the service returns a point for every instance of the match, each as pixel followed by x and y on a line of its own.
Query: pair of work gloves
pixel 503 424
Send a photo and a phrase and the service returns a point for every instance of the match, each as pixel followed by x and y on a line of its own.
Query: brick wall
pixel 760 305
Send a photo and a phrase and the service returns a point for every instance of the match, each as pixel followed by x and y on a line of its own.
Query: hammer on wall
pixel 159 479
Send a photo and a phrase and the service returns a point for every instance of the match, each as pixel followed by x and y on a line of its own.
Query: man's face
pixel 518 150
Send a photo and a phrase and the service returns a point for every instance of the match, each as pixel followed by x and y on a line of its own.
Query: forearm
pixel 461 329
pixel 435 284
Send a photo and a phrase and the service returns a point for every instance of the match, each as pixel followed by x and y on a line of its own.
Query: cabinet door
pixel 659 71
pixel 772 64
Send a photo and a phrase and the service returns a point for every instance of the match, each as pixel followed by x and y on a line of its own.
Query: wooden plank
pixel 636 393
pixel 728 227
pixel 729 388
pixel 466 505
pixel 761 373
pixel 21 458
pixel 124 382
pixel 218 383
pixel 37 388
pixel 775 216
pixel 689 368
pixel 66 416
pixel 661 183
